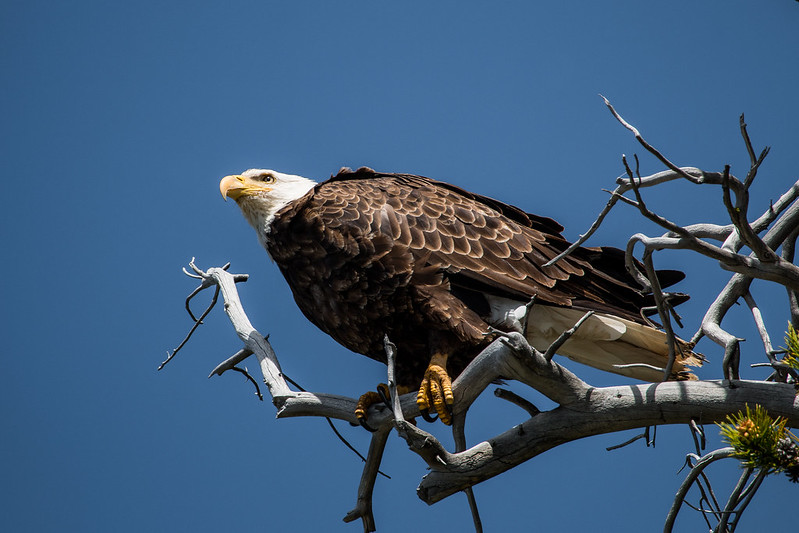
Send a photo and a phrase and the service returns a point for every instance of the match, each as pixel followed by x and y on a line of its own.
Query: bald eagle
pixel 368 254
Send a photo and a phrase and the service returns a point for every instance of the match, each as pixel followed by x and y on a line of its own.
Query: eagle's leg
pixel 436 389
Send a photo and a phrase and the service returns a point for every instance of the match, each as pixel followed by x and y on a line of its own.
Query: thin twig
pixel 665 317
pixel 459 436
pixel 754 162
pixel 620 190
pixel 478 523
pixel 421 442
pixel 747 497
pixel 194 327
pixel 247 375
pixel 761 325
pixel 730 364
pixel 738 216
pixel 706 495
pixel 566 335
pixel 783 371
pixel 696 429
pixel 733 500
pixel 335 430
pixel 749 149
pixel 651 149
pixel 230 362
pixel 644 435
pixel 391 353
pixel 697 469
pixel 515 399
pixel 788 251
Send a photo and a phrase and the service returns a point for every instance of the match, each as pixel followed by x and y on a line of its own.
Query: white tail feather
pixel 603 341
pixel 610 343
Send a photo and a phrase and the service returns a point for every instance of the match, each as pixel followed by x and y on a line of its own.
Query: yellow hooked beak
pixel 236 186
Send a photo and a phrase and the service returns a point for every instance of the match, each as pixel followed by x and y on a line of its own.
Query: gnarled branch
pixel 583 410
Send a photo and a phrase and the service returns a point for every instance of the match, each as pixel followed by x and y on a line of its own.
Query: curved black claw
pixel 367 427
pixel 382 390
pixel 426 415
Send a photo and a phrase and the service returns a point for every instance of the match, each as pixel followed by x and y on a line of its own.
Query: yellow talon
pixel 368 399
pixel 436 389
pixel 364 402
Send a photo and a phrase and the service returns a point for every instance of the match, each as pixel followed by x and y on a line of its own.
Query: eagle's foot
pixel 436 391
pixel 368 399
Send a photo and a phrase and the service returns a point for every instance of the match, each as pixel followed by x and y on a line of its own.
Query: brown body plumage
pixel 368 254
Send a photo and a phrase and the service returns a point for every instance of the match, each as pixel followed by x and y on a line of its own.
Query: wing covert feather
pixel 484 244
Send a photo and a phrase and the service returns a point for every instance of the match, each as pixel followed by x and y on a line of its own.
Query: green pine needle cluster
pixel 762 442
pixel 792 345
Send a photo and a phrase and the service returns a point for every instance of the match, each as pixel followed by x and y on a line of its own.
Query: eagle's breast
pixel 341 250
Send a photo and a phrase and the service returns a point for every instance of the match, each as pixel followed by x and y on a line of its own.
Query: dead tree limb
pixel 583 410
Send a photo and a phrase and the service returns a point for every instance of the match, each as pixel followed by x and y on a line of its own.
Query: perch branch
pixel 605 410
pixel 583 410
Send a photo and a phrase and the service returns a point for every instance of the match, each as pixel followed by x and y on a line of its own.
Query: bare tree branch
pixel 363 507
pixel 606 410
pixel 583 410
pixel 696 471
pixel 651 149
pixel 788 250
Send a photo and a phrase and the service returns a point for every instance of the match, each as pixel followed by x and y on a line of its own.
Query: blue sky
pixel 120 118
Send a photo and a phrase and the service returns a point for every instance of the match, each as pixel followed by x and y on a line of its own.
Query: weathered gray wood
pixel 583 410
pixel 253 340
pixel 606 410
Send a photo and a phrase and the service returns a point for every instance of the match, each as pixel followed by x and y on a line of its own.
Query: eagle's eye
pixel 268 178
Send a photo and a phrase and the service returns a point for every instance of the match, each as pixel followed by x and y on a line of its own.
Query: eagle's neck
pixel 260 209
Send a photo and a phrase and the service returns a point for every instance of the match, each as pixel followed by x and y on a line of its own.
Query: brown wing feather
pixel 485 244
pixel 367 254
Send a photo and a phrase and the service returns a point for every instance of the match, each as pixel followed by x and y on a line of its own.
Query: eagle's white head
pixel 261 193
